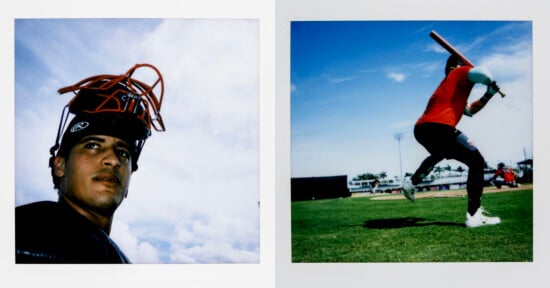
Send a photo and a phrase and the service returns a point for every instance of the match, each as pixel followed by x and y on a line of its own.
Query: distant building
pixel 444 183
pixel 313 188
pixel 368 186
pixel 525 168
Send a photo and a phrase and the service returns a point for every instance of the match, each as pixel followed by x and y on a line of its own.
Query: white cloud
pixel 435 47
pixel 215 240
pixel 397 77
pixel 339 80
pixel 137 251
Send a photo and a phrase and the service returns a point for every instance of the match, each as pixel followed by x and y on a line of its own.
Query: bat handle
pixel 502 94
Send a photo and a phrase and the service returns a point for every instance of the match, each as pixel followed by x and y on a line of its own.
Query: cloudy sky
pixel 195 197
pixel 355 84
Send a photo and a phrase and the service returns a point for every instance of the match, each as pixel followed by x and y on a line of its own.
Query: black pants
pixel 446 142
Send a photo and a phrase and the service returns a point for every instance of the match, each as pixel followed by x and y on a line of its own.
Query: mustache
pixel 108 175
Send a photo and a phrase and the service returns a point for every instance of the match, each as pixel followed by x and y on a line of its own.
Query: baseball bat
pixel 447 46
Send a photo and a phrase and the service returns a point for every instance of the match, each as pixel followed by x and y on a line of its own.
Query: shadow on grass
pixel 405 222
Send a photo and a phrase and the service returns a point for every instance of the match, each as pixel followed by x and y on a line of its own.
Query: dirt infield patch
pixel 448 193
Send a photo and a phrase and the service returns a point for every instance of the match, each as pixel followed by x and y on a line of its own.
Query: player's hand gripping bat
pixel 455 52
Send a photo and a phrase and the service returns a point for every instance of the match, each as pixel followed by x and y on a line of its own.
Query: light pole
pixel 399 137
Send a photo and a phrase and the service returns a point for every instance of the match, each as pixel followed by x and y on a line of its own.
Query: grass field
pixel 359 229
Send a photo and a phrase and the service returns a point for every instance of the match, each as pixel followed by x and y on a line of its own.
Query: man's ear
pixel 59 166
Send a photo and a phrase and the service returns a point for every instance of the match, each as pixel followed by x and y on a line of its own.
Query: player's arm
pixel 477 105
pixel 480 74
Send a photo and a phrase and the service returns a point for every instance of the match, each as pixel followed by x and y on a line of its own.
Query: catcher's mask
pixel 113 105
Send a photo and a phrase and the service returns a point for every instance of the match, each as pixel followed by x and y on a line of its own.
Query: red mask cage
pixel 118 94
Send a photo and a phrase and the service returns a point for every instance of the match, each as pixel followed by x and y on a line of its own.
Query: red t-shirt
pixel 449 100
pixel 507 174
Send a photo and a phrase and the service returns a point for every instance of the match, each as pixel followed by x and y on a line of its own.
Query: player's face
pixel 96 174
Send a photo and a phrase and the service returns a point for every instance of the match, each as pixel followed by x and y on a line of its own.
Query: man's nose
pixel 110 158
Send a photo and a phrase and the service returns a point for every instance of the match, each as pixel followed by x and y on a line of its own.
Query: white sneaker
pixel 408 190
pixel 479 219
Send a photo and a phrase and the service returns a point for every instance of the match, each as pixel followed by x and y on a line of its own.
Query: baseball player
pixel 506 176
pixel 91 166
pixel 436 131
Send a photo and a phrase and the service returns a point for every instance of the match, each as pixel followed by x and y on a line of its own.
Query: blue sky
pixel 194 198
pixel 355 84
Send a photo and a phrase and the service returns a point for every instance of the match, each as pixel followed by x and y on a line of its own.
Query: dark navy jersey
pixel 53 232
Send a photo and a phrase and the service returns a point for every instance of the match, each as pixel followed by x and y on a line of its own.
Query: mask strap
pixel 60 129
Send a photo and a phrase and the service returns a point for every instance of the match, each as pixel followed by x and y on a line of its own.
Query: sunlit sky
pixel 356 84
pixel 194 198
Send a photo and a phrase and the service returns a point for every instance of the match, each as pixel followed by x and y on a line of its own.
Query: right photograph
pixel 411 141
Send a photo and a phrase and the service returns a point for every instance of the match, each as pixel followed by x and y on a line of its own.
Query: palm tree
pixel 438 171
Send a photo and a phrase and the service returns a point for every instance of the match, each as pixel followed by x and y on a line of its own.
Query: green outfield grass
pixel 429 230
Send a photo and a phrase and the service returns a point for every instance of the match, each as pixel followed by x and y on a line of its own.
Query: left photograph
pixel 137 141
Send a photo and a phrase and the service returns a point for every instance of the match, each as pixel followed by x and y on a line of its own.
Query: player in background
pixel 374 186
pixel 436 131
pixel 507 176
pixel 91 168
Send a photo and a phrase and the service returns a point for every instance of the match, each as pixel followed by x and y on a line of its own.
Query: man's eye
pixel 124 155
pixel 91 145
